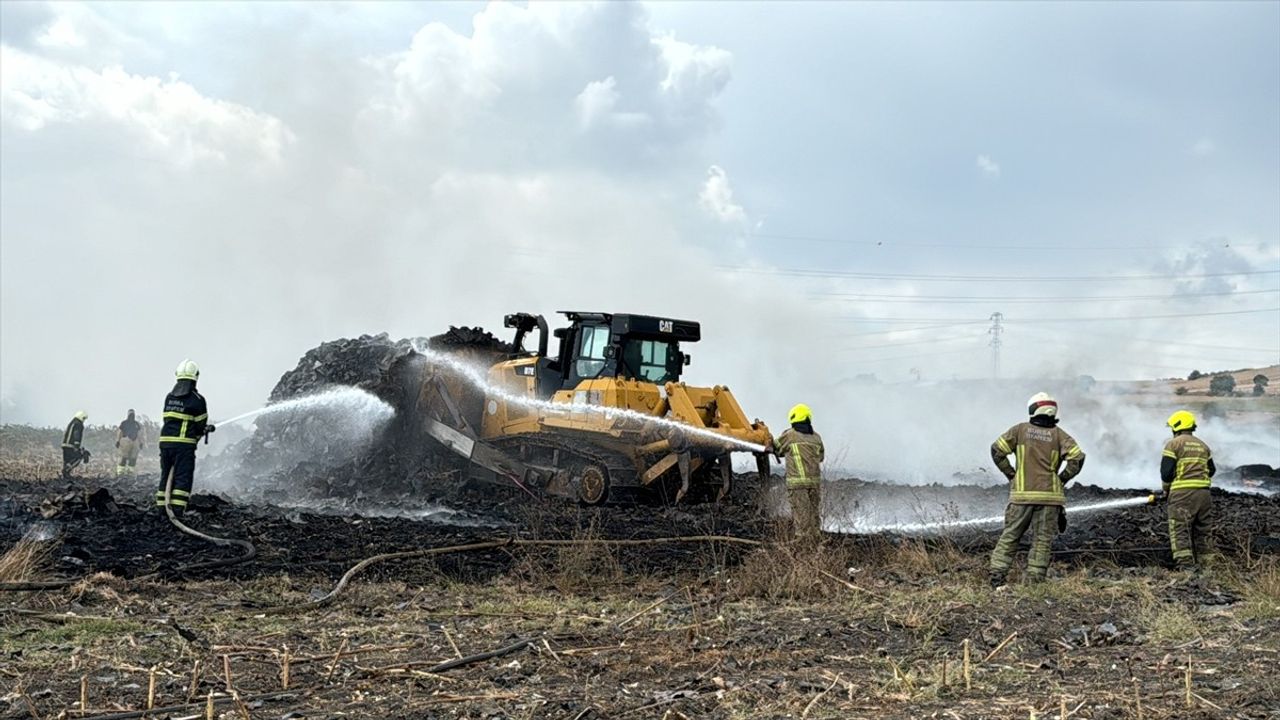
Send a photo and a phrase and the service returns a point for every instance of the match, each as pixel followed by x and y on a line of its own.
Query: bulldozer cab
pixel 598 345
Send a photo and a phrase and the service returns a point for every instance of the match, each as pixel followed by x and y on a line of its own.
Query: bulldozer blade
pixel 726 478
pixel 686 471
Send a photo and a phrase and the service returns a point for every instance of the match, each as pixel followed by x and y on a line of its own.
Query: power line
pixel 891 244
pixel 952 299
pixel 914 356
pixel 915 329
pixel 1149 317
pixel 857 319
pixel 794 272
pixel 1160 341
pixel 928 341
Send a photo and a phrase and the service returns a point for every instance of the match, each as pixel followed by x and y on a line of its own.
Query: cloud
pixel 450 181
pixel 989 168
pixel 716 197
pixel 526 83
pixel 164 118
pixel 1204 147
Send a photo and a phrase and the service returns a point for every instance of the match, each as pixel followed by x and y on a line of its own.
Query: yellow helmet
pixel 799 413
pixel 1181 420
pixel 188 370
pixel 82 415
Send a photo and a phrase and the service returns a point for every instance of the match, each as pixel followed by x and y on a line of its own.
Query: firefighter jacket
pixel 1187 463
pixel 129 429
pixel 74 434
pixel 185 416
pixel 802 453
pixel 1040 451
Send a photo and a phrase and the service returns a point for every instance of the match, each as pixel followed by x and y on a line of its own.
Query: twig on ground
pixel 208 702
pixel 490 545
pixel 1001 646
pixel 647 608
pixel 848 584
pixel 336 657
pixel 481 657
pixel 818 697
pixel 452 644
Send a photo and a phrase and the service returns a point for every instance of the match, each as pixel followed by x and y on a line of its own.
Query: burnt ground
pixel 862 627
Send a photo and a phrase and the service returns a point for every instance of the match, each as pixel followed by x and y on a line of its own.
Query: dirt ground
pixel 862 627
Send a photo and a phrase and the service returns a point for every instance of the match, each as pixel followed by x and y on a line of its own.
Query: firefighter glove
pixel 1062 521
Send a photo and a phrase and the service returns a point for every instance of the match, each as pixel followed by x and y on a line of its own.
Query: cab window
pixel 592 341
pixel 651 360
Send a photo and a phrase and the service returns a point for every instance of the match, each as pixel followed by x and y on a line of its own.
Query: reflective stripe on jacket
pixel 1040 453
pixel 185 417
pixel 74 434
pixel 802 454
pixel 1193 462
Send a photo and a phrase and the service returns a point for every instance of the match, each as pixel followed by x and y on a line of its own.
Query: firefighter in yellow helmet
pixel 186 420
pixel 73 452
pixel 1036 499
pixel 1186 467
pixel 800 449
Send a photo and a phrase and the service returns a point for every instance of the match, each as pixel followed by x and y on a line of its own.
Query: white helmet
pixel 1042 404
pixel 82 415
pixel 187 370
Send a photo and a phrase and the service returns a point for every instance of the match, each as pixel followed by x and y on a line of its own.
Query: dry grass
pixel 793 571
pixel 580 567
pixel 27 557
pixel 1262 590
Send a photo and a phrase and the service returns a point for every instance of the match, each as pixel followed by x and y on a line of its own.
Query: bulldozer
pixel 605 418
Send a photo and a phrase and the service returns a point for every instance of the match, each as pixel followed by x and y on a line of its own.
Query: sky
pixel 832 189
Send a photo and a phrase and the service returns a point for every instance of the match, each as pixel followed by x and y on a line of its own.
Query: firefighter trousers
pixel 1190 519
pixel 1042 522
pixel 180 461
pixel 805 511
pixel 71 456
pixel 128 456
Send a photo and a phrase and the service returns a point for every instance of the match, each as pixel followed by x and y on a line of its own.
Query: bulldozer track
pixel 624 476
pixel 622 473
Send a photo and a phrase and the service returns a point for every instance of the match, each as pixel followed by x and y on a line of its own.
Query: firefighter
pixel 1036 499
pixel 1186 467
pixel 801 451
pixel 186 420
pixel 72 452
pixel 129 438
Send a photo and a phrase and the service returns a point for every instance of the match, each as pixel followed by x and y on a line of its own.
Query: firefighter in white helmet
pixel 1036 499
pixel 186 421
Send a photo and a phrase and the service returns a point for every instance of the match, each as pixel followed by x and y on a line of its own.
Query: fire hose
pixel 249 550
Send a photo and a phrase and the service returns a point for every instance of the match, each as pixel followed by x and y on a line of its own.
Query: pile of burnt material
pixel 344 453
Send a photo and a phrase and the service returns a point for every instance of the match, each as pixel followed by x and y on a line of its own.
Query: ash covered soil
pixel 861 627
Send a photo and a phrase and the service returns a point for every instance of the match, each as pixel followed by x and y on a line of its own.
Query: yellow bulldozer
pixel 605 418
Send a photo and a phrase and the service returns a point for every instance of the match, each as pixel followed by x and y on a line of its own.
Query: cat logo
pixel 666 326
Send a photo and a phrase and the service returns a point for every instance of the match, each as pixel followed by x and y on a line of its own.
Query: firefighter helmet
pixel 1181 420
pixel 188 370
pixel 82 415
pixel 1042 404
pixel 799 413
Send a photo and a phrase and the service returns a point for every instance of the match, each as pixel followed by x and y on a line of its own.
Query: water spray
pixel 474 377
pixel 360 400
pixel 944 526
